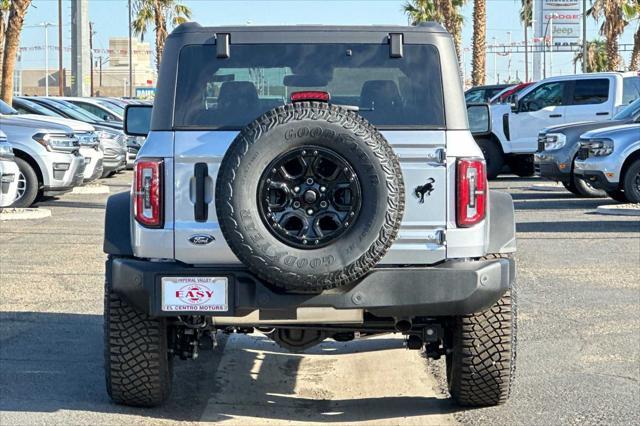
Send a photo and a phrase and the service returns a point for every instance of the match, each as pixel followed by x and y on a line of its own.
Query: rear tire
pixel 138 368
pixel 28 185
pixel 522 165
pixel 493 157
pixel 632 182
pixel 618 196
pixel 481 364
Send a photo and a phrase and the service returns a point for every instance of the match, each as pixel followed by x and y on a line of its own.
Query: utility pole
pixel 544 45
pixel 585 52
pixel 130 57
pixel 46 26
pixel 551 44
pixel 495 60
pixel 91 57
pixel 60 70
pixel 509 63
pixel 526 51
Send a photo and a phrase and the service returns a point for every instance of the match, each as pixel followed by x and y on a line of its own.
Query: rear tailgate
pixel 421 237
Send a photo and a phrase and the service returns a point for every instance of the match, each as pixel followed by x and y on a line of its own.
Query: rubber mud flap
pixel 310 196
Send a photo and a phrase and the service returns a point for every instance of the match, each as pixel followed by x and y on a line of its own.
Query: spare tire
pixel 309 196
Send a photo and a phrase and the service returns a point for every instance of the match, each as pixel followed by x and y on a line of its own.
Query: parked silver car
pixel 8 173
pixel 609 159
pixel 47 154
pixel 88 139
pixel 113 143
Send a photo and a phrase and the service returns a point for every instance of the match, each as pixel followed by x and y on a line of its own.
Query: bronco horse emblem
pixel 423 190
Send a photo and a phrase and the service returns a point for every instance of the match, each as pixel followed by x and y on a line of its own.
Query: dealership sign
pixel 566 17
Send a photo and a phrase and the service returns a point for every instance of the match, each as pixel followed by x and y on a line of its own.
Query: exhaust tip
pixel 403 325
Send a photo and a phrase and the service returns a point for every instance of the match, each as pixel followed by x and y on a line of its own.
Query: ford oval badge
pixel 201 239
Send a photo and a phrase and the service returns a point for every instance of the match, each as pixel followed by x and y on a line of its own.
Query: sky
pixel 110 20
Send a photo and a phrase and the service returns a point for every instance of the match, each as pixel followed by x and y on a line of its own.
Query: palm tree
pixel 457 19
pixel 158 13
pixel 631 10
pixel 611 28
pixel 422 11
pixel 479 37
pixel 445 12
pixel 17 12
pixel 526 17
pixel 597 59
pixel 4 13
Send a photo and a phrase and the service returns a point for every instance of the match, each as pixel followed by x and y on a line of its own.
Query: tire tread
pixel 137 367
pixel 484 354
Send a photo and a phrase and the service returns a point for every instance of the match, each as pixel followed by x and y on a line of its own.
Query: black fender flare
pixel 502 223
pixel 117 225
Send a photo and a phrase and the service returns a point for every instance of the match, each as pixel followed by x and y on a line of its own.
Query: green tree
pixel 158 13
pixel 445 12
pixel 479 42
pixel 17 10
pixel 4 14
pixel 526 18
pixel 612 27
pixel 597 59
pixel 631 9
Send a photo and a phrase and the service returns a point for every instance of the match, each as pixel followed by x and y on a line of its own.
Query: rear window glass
pixel 592 91
pixel 229 93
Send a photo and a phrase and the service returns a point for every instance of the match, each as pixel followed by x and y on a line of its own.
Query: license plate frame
pixel 194 294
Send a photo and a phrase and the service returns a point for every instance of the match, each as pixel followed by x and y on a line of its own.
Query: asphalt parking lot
pixel 578 345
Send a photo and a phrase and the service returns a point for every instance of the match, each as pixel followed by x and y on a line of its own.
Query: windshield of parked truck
pixel 630 111
pixel 5 109
pixel 26 106
pixel 76 112
pixel 228 93
pixel 630 89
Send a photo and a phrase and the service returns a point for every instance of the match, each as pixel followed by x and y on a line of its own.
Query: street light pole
pixel 60 70
pixel 91 56
pixel 509 63
pixel 130 56
pixel 551 45
pixel 544 45
pixel 495 60
pixel 584 36
pixel 46 57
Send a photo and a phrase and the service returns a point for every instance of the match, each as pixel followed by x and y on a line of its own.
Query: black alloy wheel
pixel 308 196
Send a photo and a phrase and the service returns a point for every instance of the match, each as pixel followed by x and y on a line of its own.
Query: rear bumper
pixel 450 288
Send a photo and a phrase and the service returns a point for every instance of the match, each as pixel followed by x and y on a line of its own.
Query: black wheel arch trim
pixel 117 230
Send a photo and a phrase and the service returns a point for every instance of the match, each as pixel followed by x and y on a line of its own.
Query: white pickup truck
pixel 550 102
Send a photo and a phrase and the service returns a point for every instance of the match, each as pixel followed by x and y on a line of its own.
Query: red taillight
pixel 310 95
pixel 147 195
pixel 471 192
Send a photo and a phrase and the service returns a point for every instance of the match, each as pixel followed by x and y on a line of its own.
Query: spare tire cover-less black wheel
pixel 309 196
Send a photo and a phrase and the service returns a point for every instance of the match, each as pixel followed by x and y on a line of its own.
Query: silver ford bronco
pixel 309 183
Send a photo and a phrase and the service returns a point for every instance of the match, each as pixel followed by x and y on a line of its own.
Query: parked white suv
pixel 47 154
pixel 8 173
pixel 88 139
pixel 550 102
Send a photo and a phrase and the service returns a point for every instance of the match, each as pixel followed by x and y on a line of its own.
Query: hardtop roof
pixel 425 27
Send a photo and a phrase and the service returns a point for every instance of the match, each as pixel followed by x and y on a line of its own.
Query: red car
pixel 504 96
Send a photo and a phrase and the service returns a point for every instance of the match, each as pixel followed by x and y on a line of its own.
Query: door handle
pixel 200 209
pixel 555 115
pixel 602 113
